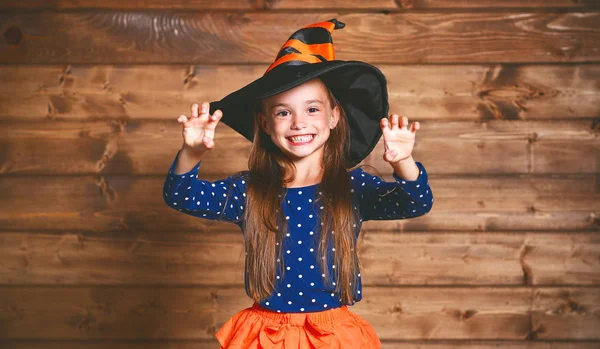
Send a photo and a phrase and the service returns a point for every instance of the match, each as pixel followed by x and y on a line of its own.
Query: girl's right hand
pixel 199 129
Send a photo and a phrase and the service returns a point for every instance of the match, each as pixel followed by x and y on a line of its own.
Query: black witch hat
pixel 308 54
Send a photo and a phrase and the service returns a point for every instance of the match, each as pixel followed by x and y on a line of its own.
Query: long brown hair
pixel 265 225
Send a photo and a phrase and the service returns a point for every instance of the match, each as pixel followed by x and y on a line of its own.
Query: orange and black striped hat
pixel 308 54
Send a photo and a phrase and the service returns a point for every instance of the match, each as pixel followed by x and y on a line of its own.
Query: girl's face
pixel 299 120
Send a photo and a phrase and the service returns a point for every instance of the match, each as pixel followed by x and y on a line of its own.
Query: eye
pixel 313 109
pixel 282 111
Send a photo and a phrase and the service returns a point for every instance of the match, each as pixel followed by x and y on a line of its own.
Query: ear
pixel 262 121
pixel 335 117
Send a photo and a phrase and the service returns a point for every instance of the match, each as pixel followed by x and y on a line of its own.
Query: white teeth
pixel 301 138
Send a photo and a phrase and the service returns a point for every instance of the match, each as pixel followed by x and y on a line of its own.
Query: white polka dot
pixel 267 303
pixel 313 300
pixel 288 268
pixel 288 285
pixel 332 294
pixel 299 242
pixel 312 267
pixel 324 305
pixel 299 225
pixel 312 283
pixel 288 251
pixel 278 294
pixel 312 249
pixel 333 249
pixel 358 292
pixel 310 216
pixel 300 293
pixel 300 276
pixel 300 259
pixel 323 275
pixel 311 233
pixel 301 309
pixel 300 192
pixel 290 302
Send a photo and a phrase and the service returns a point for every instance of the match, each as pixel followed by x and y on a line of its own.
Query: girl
pixel 310 118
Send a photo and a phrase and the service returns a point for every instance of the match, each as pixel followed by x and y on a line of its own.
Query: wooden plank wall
pixel 508 96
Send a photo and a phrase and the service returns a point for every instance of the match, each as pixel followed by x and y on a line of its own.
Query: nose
pixel 298 121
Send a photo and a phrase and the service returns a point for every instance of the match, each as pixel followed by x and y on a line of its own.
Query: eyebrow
pixel 306 102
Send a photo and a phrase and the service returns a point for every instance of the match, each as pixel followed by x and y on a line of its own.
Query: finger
pixel 182 119
pixel 415 126
pixel 404 122
pixel 383 123
pixel 214 120
pixel 209 130
pixel 208 142
pixel 194 110
pixel 205 108
pixel 394 121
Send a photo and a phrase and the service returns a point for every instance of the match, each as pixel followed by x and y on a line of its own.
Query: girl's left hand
pixel 398 139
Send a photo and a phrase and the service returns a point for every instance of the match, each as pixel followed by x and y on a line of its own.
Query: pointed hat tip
pixel 338 24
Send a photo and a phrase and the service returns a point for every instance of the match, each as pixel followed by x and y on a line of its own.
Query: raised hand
pixel 398 139
pixel 199 128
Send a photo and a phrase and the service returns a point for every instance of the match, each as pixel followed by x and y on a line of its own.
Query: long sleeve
pixel 401 199
pixel 221 200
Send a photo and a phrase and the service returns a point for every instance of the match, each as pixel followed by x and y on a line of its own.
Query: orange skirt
pixel 259 328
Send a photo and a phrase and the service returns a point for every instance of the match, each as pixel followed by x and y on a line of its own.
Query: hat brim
pixel 360 88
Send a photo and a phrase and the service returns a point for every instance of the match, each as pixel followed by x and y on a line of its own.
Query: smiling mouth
pixel 301 139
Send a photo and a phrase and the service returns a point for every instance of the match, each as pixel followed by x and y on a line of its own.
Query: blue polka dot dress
pixel 302 287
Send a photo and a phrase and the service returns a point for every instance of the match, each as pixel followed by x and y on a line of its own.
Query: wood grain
pixel 185 259
pixel 499 147
pixel 187 313
pixel 110 37
pixel 245 5
pixel 211 344
pixel 122 203
pixel 424 92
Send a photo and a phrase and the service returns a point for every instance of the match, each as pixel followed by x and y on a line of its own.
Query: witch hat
pixel 309 53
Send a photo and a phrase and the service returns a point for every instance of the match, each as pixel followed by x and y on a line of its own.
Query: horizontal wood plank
pixel 117 203
pixel 211 344
pixel 111 37
pixel 196 313
pixel 419 258
pixel 552 306
pixel 293 5
pixel 424 92
pixel 499 147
